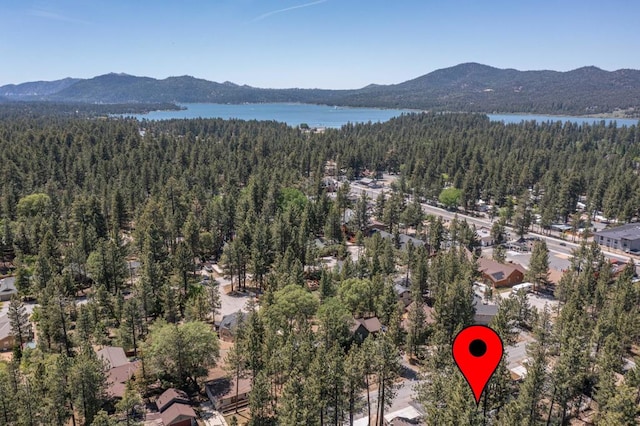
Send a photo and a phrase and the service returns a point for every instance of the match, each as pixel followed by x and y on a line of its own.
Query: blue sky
pixel 309 43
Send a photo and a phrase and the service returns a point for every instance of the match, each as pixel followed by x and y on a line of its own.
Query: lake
pixel 518 118
pixel 292 114
pixel 328 116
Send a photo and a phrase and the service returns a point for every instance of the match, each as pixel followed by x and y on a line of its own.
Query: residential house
pixel 228 325
pixel 624 237
pixel 408 415
pixel 485 311
pixel 403 293
pixel 118 377
pixel 484 236
pixel 500 274
pixel 175 408
pixel 118 369
pixel 113 356
pixel 363 327
pixel 7 288
pixel 404 239
pixel 171 396
pixel 429 315
pixel 179 415
pixel 225 396
pixel 6 338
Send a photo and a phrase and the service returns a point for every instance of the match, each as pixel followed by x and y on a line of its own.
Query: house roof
pixel 170 396
pixel 429 312
pixel 372 325
pixel 404 239
pixel 630 231
pixel 400 289
pixel 113 355
pixel 555 275
pixel 7 285
pixel 177 412
pixel 224 387
pixel 407 413
pixel 230 321
pixel 498 271
pixel 5 327
pixel 484 309
pixel 117 378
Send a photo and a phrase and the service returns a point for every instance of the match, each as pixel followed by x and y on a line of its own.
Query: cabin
pixel 363 327
pixel 175 408
pixel 484 312
pixel 224 395
pixel 119 370
pixel 179 415
pixel 500 274
pixel 228 325
pixel 403 293
pixel 171 396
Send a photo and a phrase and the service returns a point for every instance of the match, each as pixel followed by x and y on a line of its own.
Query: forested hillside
pixel 467 87
pixel 82 198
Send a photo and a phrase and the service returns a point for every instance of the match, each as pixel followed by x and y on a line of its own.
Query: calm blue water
pixel 292 114
pixel 518 118
pixel 328 116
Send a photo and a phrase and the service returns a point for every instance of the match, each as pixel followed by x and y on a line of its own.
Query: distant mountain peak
pixel 469 86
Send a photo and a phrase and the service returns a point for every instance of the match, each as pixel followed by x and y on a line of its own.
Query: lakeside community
pixel 498 278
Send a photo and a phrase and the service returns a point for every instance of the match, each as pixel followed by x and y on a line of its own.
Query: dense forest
pixel 82 197
pixel 469 87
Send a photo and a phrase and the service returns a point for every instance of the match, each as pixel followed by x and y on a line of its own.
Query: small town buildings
pixel 6 338
pixel 624 237
pixel 500 274
pixel 7 288
pixel 561 227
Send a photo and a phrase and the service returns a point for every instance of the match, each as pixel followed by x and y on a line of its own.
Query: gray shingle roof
pixel 630 231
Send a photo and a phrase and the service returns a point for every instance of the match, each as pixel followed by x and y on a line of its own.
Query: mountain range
pixel 465 87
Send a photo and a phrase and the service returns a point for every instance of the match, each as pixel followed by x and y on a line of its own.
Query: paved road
pixel 229 303
pixel 554 244
pixel 405 392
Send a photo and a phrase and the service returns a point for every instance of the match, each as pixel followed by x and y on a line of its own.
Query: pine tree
pixel 19 321
pixel 499 254
pixel 132 325
pixel 538 272
pixel 236 357
pixel 416 321
pixel 130 400
pixel 87 379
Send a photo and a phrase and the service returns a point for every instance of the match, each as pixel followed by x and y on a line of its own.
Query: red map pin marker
pixel 477 351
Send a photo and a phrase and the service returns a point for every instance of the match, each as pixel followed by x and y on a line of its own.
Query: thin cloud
pixel 53 16
pixel 275 12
